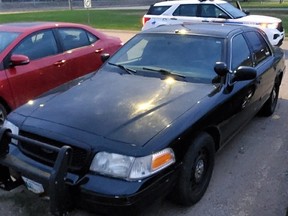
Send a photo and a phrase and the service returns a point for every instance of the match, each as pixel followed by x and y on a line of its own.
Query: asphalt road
pixel 250 176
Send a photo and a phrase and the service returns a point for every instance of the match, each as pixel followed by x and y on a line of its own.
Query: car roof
pixel 168 3
pixel 208 29
pixel 33 26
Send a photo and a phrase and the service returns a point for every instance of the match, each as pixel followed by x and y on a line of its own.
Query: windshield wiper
pixel 163 71
pixel 126 69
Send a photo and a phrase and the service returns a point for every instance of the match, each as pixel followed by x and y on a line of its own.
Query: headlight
pixel 14 129
pixel 269 25
pixel 121 166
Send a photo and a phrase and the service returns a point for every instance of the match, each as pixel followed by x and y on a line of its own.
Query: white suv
pixel 177 12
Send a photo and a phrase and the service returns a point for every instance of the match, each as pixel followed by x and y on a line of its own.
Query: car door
pixel 42 73
pixel 263 62
pixel 82 50
pixel 242 96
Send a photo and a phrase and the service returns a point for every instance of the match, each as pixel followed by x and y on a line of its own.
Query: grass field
pixel 126 19
pixel 104 19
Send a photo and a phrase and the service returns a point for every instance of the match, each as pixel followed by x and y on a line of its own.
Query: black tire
pixel 3 114
pixel 196 171
pixel 270 105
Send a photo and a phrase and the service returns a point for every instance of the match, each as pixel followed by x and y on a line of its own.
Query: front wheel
pixel 196 172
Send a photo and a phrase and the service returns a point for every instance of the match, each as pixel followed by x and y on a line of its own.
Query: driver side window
pixel 186 10
pixel 38 45
pixel 242 58
pixel 210 11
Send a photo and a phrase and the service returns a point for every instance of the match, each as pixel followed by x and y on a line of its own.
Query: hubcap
pixel 273 98
pixel 199 170
pixel 2 117
pixel 274 94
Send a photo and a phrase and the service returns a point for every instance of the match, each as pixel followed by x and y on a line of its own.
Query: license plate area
pixel 33 186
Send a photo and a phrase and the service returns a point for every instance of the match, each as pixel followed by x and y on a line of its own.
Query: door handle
pixel 173 18
pixel 99 50
pixel 60 63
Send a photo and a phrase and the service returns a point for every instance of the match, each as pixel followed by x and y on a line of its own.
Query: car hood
pixel 127 108
pixel 257 19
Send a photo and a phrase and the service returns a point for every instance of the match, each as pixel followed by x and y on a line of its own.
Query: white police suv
pixel 187 11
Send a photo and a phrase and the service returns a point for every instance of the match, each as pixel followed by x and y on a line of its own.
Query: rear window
pixel 157 10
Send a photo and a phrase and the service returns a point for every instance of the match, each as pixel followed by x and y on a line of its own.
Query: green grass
pixel 123 19
pixel 104 19
pixel 264 4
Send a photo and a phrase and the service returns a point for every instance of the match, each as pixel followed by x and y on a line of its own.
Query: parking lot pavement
pixel 123 35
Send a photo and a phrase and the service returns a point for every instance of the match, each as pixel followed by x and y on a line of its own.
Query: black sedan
pixel 147 124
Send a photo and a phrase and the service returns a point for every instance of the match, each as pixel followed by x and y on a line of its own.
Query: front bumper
pixel 275 37
pixel 66 190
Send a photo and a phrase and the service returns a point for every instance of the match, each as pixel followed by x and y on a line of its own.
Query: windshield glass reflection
pixel 182 56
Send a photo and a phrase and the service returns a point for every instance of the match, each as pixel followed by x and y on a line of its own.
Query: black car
pixel 147 124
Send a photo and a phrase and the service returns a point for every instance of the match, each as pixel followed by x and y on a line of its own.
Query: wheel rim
pixel 2 117
pixel 273 98
pixel 199 168
pixel 199 171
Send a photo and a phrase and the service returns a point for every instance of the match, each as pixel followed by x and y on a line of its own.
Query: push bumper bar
pixel 55 182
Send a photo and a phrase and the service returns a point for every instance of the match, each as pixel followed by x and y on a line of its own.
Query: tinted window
pixel 92 38
pixel 74 37
pixel 240 52
pixel 260 48
pixel 157 10
pixel 186 10
pixel 207 10
pixel 38 45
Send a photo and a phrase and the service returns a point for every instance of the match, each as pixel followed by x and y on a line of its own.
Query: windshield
pixel 6 38
pixel 233 11
pixel 182 56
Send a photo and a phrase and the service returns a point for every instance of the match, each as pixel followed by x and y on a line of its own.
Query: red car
pixel 38 56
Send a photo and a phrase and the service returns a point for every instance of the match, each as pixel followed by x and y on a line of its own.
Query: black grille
pixel 80 156
pixel 280 27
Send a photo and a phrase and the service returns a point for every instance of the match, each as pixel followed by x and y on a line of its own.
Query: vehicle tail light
pixel 144 20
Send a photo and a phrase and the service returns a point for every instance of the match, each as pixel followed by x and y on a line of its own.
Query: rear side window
pixel 157 10
pixel 74 37
pixel 260 48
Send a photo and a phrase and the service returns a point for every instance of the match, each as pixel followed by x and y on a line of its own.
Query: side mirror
pixel 223 16
pixel 17 60
pixel 240 8
pixel 221 69
pixel 104 57
pixel 246 12
pixel 244 73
